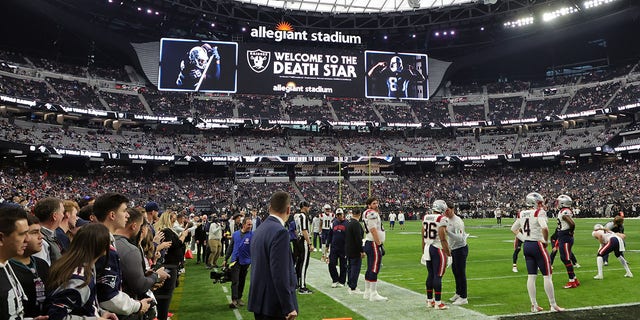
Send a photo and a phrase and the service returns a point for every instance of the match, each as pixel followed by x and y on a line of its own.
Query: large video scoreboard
pixel 276 68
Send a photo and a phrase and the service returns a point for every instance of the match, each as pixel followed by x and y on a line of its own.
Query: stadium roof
pixel 356 6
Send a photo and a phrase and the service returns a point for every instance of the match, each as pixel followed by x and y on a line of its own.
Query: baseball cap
pixel 152 206
pixel 339 211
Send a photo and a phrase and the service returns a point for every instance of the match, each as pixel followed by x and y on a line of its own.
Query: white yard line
pixel 403 303
pixel 235 311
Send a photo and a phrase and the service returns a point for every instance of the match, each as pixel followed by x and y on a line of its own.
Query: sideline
pixel 403 303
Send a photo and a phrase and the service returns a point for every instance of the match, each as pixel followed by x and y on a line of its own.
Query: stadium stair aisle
pixel 402 304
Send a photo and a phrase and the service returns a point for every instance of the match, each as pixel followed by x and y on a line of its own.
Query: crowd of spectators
pixel 259 107
pixel 396 113
pixel 76 94
pixel 436 110
pixel 507 86
pixel 629 94
pixel 505 108
pixel 214 108
pixel 123 102
pixel 545 107
pixel 165 103
pixel 468 113
pixel 592 97
pixel 354 110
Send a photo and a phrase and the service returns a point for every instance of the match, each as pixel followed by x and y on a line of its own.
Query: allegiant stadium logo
pixel 258 60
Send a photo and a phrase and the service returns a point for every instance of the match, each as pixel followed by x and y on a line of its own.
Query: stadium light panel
pixel 550 16
pixel 596 3
pixel 519 23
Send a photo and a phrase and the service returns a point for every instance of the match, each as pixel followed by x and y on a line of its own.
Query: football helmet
pixel 533 199
pixel 439 206
pixel 564 201
pixel 395 64
pixel 598 226
pixel 198 56
pixel 326 207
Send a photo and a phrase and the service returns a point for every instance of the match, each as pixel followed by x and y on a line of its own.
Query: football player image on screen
pixel 397 77
pixel 200 63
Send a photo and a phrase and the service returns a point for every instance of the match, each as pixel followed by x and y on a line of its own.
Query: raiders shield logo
pixel 258 60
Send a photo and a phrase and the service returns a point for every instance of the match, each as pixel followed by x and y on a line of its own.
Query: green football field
pixel 493 288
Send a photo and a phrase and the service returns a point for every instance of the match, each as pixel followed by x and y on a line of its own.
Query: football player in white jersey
pixel 531 228
pixel 326 218
pixel 439 253
pixel 374 238
pixel 566 226
pixel 609 242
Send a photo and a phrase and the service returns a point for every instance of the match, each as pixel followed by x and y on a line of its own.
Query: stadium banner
pixel 193 65
pixel 278 70
pixel 396 75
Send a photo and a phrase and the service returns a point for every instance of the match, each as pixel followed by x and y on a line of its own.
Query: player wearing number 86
pixel 531 228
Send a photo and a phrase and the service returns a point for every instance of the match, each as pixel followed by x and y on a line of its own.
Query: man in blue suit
pixel 272 294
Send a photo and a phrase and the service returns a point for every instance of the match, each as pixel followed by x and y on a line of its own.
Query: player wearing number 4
pixel 531 228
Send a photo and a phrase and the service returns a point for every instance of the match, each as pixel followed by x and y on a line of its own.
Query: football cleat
pixel 334 285
pixel 598 277
pixel 454 298
pixel 535 309
pixel 577 265
pixel 628 275
pixel 556 308
pixel 377 297
pixel 570 285
pixel 431 304
pixel 577 282
pixel 514 269
pixel 440 306
pixel 461 301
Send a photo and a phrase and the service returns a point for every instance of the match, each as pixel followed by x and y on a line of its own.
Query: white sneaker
pixel 431 304
pixel 354 291
pixel 377 297
pixel 461 301
pixel 334 285
pixel 340 284
pixel 366 295
pixel 598 277
pixel 535 309
pixel 577 265
pixel 557 308
pixel 514 269
pixel 454 298
pixel 628 275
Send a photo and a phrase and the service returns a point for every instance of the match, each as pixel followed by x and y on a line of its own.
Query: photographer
pixel 240 260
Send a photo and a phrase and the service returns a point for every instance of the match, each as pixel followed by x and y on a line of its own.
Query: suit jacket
pixel 273 278
pixel 201 232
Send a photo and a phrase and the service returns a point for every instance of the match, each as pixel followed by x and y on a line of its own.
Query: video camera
pixel 220 276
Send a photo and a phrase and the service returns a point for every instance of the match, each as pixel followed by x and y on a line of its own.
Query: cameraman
pixel 240 260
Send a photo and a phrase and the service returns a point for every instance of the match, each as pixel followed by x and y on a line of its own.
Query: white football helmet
pixel 533 199
pixel 395 64
pixel 564 201
pixel 198 56
pixel 327 207
pixel 598 226
pixel 439 206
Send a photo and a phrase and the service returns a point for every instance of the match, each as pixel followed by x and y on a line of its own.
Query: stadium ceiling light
pixel 549 16
pixel 596 3
pixel 519 23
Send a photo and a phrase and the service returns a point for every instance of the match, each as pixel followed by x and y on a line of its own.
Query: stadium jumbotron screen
pixel 280 69
pixel 396 75
pixel 191 65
